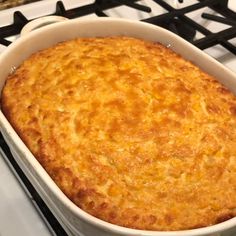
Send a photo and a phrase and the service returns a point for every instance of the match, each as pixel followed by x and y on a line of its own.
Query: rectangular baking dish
pixel 76 220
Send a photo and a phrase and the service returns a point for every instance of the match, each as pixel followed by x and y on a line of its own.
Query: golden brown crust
pixel 131 132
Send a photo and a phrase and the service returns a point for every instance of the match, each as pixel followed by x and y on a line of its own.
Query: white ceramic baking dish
pixel 74 218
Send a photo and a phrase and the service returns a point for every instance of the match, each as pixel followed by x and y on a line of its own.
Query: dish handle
pixel 40 22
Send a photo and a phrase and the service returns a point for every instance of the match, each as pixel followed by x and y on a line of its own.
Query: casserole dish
pixel 74 218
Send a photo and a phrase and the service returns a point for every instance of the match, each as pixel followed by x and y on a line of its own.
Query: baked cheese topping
pixel 130 131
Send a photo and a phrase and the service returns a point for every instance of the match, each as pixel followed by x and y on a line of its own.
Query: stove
pixel 208 24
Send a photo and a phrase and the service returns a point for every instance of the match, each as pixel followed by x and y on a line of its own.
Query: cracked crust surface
pixel 131 132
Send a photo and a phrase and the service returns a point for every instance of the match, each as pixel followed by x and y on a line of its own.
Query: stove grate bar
pixel 20 20
pixel 60 9
pixel 215 38
pixel 100 13
pixel 219 19
pixel 5 42
pixel 229 46
pixel 221 6
pixel 173 12
pixel 98 4
pixel 134 5
pixel 210 39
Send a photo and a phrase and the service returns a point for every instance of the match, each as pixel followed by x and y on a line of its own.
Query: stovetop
pixel 214 32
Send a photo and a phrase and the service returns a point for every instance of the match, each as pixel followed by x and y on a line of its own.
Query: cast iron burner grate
pixel 174 20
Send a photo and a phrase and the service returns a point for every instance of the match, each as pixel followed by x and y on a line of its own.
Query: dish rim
pixel 19 146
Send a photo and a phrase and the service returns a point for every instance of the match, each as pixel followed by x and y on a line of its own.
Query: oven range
pixel 208 24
